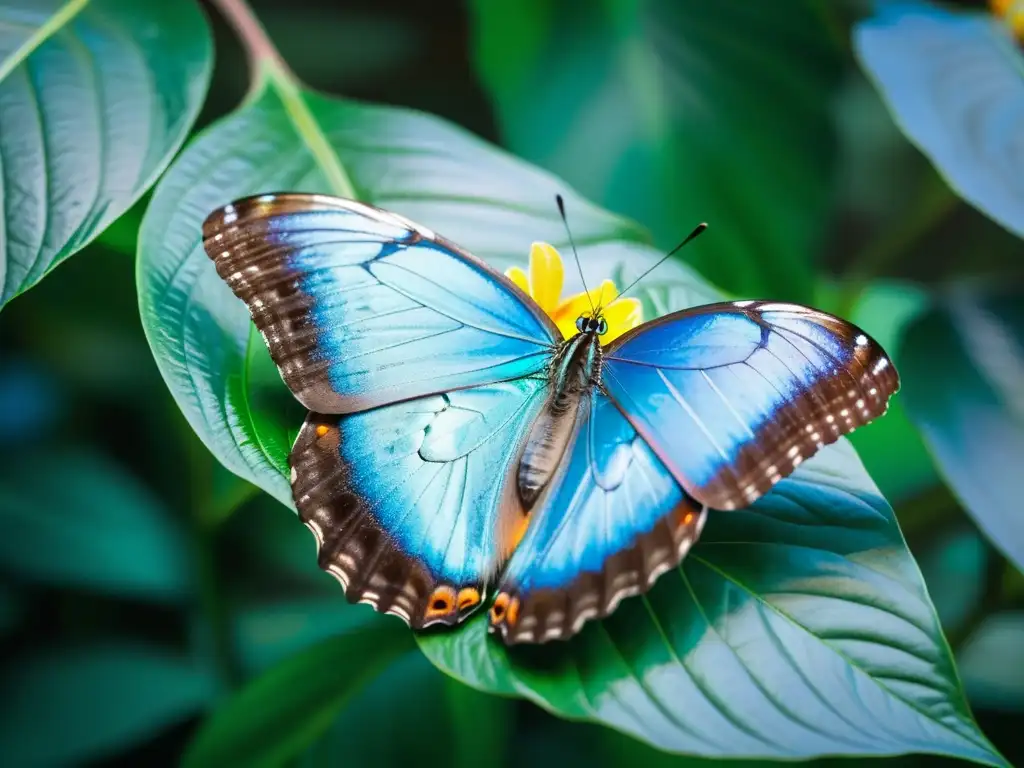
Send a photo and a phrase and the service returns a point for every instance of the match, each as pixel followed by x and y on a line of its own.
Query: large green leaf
pixel 963 365
pixel 677 111
pixel 68 705
pixel 824 567
pixel 954 82
pixel 280 713
pixel 213 361
pixel 800 627
pixel 440 722
pixel 72 518
pixel 96 96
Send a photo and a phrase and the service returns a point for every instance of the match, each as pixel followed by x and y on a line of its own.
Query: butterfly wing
pixel 733 396
pixel 613 521
pixel 413 504
pixel 361 307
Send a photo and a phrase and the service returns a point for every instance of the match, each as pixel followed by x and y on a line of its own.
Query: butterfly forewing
pixel 734 396
pixel 360 307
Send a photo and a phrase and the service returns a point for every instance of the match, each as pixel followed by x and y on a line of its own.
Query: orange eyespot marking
pixel 322 430
pixel 499 608
pixel 513 611
pixel 441 602
pixel 468 597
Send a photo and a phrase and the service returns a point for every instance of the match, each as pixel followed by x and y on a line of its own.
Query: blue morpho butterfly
pixel 458 443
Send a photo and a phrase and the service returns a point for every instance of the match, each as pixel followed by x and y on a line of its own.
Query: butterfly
pixel 459 444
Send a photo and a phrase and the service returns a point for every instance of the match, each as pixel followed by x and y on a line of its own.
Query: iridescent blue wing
pixel 361 307
pixel 414 505
pixel 733 396
pixel 612 521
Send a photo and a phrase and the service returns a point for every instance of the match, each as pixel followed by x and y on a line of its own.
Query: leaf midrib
pixel 53 25
pixel 306 127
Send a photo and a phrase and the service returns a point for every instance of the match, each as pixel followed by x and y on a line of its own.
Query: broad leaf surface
pixel 954 82
pixel 814 592
pixel 96 96
pixel 678 111
pixel 73 703
pixel 963 364
pixel 799 627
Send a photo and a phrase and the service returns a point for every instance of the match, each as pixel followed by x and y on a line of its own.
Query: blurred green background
pixel 125 616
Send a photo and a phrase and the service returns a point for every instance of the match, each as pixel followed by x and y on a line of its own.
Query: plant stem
pixel 267 65
pixel 259 48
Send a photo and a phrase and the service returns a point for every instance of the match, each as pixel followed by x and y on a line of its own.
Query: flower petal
pixel 520 278
pixel 546 275
pixel 582 304
pixel 622 315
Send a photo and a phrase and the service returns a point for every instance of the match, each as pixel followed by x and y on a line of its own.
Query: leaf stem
pixel 268 67
pixel 259 48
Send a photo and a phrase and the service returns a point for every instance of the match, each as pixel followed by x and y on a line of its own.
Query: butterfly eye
pixel 602 327
pixel 581 323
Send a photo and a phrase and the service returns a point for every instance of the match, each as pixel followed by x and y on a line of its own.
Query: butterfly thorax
pixel 574 371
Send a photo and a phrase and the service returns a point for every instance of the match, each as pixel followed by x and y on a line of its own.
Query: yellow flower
pixel 1013 12
pixel 544 284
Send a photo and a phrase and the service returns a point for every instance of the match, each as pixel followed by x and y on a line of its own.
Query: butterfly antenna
pixel 561 210
pixel 696 231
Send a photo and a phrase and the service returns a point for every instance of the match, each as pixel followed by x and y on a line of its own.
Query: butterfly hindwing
pixel 411 503
pixel 613 520
pixel 733 396
pixel 361 307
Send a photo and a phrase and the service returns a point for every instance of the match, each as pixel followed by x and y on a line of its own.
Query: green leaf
pixel 432 721
pixel 215 364
pixel 865 614
pixel 678 111
pixel 929 64
pixel 991 666
pixel 72 518
pixel 96 96
pixel 75 703
pixel 443 720
pixel 962 367
pixel 797 628
pixel 280 713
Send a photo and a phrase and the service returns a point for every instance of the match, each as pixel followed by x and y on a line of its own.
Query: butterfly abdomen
pixel 575 370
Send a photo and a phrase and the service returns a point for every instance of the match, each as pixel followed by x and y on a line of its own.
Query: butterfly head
pixel 596 324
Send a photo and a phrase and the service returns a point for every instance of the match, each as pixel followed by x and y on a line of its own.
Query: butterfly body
pixel 458 444
pixel 574 371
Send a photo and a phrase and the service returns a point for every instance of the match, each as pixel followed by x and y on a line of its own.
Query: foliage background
pixel 142 582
